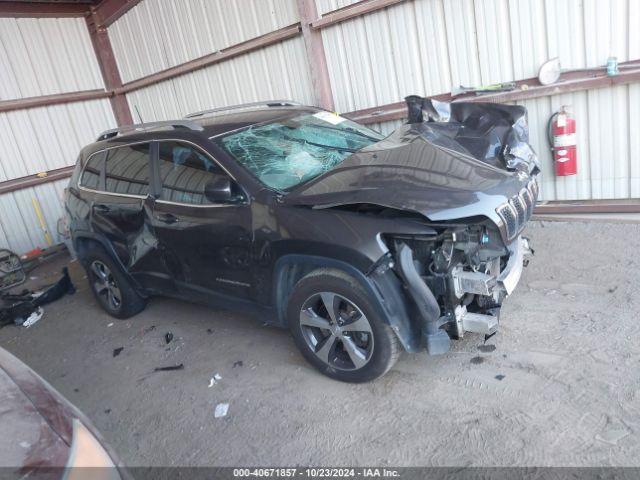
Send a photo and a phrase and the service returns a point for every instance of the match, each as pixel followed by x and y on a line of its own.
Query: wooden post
pixel 109 68
pixel 315 54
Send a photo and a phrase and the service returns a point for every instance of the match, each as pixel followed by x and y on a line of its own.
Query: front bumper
pixel 518 251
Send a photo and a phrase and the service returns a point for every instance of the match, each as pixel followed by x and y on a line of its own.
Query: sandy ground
pixel 558 385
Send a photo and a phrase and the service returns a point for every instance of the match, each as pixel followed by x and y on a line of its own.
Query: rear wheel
pixel 338 329
pixel 109 285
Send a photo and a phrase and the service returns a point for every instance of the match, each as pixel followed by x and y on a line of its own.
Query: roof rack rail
pixel 150 126
pixel 265 104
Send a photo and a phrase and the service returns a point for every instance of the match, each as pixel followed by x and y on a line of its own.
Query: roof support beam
pixel 37 179
pixel 43 10
pixel 315 54
pixel 56 99
pixel 108 11
pixel 109 69
pixel 354 10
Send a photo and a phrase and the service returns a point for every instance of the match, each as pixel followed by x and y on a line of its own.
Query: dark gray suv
pixel 362 246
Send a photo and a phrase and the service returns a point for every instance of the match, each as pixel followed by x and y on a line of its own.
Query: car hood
pixel 465 166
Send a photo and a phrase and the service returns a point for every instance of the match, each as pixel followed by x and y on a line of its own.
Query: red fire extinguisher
pixel 562 137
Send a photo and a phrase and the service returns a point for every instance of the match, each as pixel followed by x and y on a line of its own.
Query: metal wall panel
pixel 159 34
pixel 326 6
pixel 20 228
pixel 46 138
pixel 46 56
pixel 276 72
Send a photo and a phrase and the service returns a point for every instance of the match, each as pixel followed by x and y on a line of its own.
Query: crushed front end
pixel 458 279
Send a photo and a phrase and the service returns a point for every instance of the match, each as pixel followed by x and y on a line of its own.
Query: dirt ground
pixel 559 385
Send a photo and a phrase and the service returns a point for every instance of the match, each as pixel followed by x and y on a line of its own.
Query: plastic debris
pixel 221 410
pixel 110 325
pixel 238 364
pixel 168 337
pixel 33 318
pixel 215 379
pixel 117 351
pixel 170 368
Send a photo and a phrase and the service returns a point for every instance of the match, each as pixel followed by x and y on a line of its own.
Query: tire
pixel 111 288
pixel 359 355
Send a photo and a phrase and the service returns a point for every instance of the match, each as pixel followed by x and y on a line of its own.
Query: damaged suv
pixel 361 245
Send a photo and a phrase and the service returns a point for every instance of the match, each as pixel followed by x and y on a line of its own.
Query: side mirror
pixel 219 189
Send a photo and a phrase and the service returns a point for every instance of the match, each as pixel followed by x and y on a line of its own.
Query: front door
pixel 205 245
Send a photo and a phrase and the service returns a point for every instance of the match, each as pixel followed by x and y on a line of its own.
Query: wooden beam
pixel 108 11
pixel 37 179
pixel 219 56
pixel 315 54
pixel 109 69
pixel 525 89
pixel 56 99
pixel 43 10
pixel 354 10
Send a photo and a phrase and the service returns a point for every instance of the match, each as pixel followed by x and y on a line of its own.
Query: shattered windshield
pixel 286 153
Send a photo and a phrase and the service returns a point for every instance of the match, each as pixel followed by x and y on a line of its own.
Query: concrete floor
pixel 561 387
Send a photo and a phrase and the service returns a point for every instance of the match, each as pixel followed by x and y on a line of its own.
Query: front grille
pixel 518 210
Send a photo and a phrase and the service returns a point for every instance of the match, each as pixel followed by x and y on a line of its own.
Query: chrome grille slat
pixel 518 210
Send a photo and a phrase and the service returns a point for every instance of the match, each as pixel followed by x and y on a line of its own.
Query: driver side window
pixel 184 172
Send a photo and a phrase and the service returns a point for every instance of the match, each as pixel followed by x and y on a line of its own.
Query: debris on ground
pixel 117 351
pixel 215 379
pixel 221 410
pixel 16 308
pixel 33 318
pixel 499 377
pixel 477 360
pixel 170 368
pixel 146 330
pixel 486 348
pixel 209 331
pixel 110 325
pixel 168 337
pixel 238 364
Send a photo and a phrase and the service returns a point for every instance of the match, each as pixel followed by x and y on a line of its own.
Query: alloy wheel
pixel 336 331
pixel 105 285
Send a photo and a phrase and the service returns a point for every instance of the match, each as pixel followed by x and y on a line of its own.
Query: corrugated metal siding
pixel 37 140
pixel 326 6
pixel 159 34
pixel 46 56
pixel 276 72
pixel 20 229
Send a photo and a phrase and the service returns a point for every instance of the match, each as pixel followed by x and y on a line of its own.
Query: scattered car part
pixel 169 368
pixel 14 308
pixel 12 272
pixel 168 337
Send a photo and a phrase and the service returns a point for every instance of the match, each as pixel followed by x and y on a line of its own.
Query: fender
pixel 383 287
pixel 83 234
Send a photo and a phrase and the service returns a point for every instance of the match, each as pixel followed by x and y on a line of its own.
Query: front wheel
pixel 337 328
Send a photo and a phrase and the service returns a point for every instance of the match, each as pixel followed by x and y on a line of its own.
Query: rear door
pixel 206 245
pixel 121 212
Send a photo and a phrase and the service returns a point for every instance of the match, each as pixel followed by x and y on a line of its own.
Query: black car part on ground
pixel 14 307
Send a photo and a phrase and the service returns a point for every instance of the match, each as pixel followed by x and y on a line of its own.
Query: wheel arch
pixel 384 289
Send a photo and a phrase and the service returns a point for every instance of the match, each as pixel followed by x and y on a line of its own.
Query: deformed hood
pixel 443 170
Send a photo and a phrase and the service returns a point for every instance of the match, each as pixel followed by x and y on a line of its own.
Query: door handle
pixel 101 208
pixel 168 218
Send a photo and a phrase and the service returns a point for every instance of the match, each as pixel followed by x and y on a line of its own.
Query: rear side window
pixel 127 170
pixel 92 170
pixel 184 171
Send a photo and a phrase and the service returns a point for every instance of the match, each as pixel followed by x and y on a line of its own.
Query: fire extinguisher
pixel 562 140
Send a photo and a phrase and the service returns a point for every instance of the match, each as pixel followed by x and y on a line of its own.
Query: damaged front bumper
pixel 473 301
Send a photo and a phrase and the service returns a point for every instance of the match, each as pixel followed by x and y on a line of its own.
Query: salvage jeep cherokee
pixel 362 245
